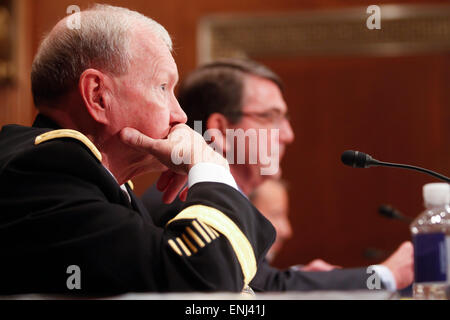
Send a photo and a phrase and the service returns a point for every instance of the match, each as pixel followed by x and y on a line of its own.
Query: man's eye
pixel 164 86
pixel 272 114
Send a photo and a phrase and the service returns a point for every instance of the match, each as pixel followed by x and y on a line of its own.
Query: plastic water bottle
pixel 431 239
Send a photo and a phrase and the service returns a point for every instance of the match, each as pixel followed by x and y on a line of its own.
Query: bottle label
pixel 431 257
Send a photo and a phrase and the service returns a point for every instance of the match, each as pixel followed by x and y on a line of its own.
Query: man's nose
pixel 286 133
pixel 177 115
pixel 287 230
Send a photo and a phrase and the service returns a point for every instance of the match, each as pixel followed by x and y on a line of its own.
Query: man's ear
pixel 217 123
pixel 92 87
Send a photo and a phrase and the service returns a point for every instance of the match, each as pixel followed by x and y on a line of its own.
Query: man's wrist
pixel 386 276
pixel 210 172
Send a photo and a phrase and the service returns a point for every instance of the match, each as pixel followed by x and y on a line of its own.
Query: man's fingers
pixel 164 150
pixel 401 264
pixel 407 246
pixel 164 180
pixel 319 265
pixel 176 184
pixel 183 194
pixel 137 140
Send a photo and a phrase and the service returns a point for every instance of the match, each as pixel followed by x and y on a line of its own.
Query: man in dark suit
pixel 232 95
pixel 69 221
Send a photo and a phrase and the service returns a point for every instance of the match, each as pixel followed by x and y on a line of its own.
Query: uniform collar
pixel 42 121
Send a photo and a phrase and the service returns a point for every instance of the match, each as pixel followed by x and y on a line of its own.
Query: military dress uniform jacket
pixel 61 209
pixel 269 278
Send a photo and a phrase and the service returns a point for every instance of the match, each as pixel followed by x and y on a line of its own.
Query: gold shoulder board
pixel 130 184
pixel 68 133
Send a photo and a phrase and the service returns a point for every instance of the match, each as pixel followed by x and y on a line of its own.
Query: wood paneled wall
pixel 15 98
pixel 395 109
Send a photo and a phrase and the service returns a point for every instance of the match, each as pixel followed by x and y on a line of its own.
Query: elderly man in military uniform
pixel 107 113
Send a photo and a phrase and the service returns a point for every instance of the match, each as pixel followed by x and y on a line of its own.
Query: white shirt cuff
pixel 210 172
pixel 386 277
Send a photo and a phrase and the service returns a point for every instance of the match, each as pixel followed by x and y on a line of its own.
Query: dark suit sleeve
pixel 269 278
pixel 56 213
pixel 226 225
pixel 160 212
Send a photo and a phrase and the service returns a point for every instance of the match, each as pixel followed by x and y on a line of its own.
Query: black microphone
pixel 392 213
pixel 358 159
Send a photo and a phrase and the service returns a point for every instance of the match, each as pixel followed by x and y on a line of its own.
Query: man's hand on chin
pixel 179 152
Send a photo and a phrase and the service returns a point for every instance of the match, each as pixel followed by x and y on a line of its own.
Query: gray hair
pixel 102 42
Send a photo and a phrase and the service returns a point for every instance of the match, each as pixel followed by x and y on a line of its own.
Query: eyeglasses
pixel 273 116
